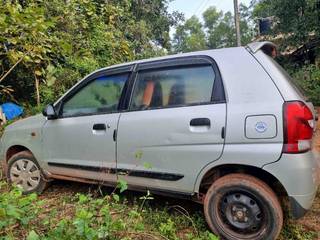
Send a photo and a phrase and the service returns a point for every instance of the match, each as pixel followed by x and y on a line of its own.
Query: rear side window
pixel 173 87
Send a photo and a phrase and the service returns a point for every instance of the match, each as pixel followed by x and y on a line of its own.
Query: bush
pixel 308 79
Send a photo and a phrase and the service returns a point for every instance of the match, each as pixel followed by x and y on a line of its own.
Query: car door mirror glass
pixel 49 112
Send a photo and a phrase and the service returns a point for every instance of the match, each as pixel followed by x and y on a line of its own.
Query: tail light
pixel 298 127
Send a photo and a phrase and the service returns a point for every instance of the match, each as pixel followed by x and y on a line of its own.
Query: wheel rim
pixel 242 213
pixel 25 174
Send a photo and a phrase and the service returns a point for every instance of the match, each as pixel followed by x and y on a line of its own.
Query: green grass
pixel 79 211
pixel 90 216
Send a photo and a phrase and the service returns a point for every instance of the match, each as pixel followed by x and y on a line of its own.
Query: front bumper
pixel 300 176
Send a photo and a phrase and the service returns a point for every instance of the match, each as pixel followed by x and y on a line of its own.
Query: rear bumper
pixel 300 176
pixel 297 211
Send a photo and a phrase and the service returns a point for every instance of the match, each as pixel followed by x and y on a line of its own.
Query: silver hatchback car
pixel 223 127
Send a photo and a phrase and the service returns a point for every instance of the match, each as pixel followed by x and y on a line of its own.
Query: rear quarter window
pixel 290 82
pixel 293 82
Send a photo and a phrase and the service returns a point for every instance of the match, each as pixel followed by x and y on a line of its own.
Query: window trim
pixel 176 63
pixel 83 83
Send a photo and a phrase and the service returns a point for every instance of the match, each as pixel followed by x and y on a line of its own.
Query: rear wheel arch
pixel 222 170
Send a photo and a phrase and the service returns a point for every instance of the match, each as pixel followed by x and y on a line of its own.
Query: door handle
pixel 99 127
pixel 196 122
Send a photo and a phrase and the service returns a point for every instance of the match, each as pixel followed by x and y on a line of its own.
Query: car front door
pixel 174 126
pixel 80 143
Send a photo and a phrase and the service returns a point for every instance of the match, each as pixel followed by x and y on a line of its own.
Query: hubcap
pixel 241 213
pixel 25 174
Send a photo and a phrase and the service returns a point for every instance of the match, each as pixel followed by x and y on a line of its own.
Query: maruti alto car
pixel 224 127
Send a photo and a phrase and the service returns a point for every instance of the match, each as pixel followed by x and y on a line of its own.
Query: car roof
pixel 173 56
pixel 253 47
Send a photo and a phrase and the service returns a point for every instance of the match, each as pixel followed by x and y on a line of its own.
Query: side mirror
pixel 49 112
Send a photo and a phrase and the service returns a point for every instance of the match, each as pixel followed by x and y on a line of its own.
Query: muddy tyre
pixel 24 171
pixel 239 206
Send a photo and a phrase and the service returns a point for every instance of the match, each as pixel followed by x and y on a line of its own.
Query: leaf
pixel 50 81
pixel 83 199
pixel 116 197
pixel 33 236
pixel 2 212
pixel 147 165
pixel 122 185
pixel 138 154
pixel 13 211
pixel 37 72
pixel 27 59
pixel 212 237
pixel 50 68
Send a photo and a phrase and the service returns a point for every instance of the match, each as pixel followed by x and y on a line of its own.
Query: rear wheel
pixel 24 171
pixel 239 206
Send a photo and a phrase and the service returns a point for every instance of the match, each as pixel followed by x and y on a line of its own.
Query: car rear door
pixel 81 143
pixel 174 126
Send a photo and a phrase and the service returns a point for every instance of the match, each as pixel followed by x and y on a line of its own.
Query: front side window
pixel 173 87
pixel 101 95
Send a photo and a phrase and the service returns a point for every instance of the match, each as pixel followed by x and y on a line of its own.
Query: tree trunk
pixel 37 89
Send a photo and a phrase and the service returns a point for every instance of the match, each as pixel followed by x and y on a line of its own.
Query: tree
pixel 24 40
pixel 297 20
pixel 218 31
pixel 155 13
pixel 189 36
pixel 49 45
pixel 246 24
pixel 223 33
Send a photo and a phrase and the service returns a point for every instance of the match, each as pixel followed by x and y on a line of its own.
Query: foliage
pixel 308 79
pixel 65 215
pixel 15 209
pixel 295 23
pixel 293 231
pixel 45 47
pixel 90 217
pixel 297 20
pixel 190 36
pixel 218 31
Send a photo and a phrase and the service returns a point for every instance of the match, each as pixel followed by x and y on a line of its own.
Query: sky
pixel 197 7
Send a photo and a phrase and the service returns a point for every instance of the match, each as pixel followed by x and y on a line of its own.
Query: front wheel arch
pixel 12 150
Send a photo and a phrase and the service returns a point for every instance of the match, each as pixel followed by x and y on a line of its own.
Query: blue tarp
pixel 11 110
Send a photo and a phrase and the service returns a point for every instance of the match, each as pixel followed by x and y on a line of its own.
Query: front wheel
pixel 239 206
pixel 25 172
